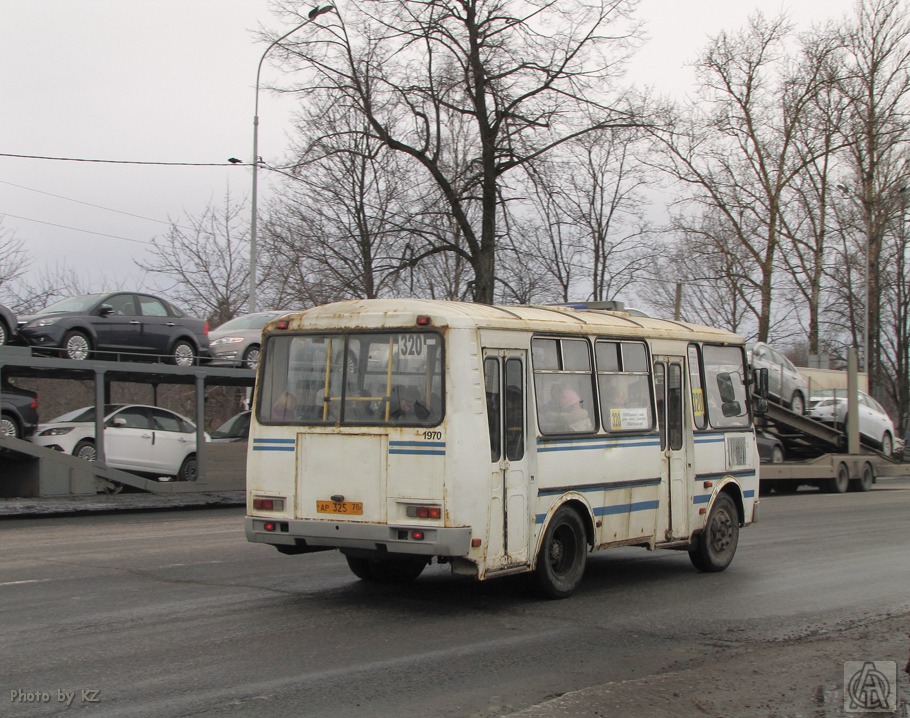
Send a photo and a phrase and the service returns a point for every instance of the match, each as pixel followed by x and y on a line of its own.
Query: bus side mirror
pixel 760 380
pixel 760 391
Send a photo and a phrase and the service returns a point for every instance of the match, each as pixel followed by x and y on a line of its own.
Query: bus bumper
pixel 436 541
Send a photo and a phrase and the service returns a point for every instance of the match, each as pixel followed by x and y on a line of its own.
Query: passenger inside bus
pixel 565 412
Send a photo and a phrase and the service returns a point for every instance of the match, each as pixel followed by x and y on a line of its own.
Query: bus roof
pixel 403 313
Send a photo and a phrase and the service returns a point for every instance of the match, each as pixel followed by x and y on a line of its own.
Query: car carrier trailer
pixel 817 454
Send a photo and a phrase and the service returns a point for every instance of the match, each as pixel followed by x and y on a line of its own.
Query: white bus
pixel 498 439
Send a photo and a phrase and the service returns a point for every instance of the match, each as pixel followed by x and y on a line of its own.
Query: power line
pixel 118 162
pixel 76 229
pixel 87 204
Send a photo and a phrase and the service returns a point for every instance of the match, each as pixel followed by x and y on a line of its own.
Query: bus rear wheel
pixel 561 561
pixel 394 570
pixel 716 545
pixel 360 567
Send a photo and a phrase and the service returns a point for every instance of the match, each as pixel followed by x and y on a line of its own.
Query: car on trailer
pixel 125 325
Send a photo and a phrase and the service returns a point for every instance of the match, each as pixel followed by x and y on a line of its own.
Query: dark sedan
pixel 770 448
pixel 119 323
pixel 237 428
pixel 19 416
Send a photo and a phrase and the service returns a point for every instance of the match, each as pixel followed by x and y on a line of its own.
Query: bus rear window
pixel 353 379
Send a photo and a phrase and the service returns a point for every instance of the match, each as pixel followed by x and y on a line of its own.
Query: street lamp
pixel 254 219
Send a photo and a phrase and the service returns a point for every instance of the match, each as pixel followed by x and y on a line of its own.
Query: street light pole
pixel 254 218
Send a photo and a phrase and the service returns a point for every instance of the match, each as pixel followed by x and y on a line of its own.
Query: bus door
pixel 509 519
pixel 669 384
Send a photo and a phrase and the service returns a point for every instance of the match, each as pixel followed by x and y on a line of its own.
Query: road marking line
pixel 19 583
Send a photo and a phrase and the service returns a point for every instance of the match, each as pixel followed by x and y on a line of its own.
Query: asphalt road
pixel 175 614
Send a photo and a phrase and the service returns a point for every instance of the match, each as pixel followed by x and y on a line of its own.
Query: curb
pixel 104 503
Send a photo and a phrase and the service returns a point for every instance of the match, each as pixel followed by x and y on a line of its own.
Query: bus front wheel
pixel 561 561
pixel 716 545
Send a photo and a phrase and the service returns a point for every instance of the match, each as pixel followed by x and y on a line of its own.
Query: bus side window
pixel 563 385
pixel 494 418
pixel 660 387
pixel 515 410
pixel 699 416
pixel 675 407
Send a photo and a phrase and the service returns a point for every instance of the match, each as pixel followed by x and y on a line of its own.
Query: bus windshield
pixel 355 378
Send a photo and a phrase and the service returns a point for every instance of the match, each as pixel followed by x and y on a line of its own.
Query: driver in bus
pixel 406 405
pixel 285 407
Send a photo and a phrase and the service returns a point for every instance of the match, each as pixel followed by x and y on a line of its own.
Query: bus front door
pixel 669 385
pixel 509 517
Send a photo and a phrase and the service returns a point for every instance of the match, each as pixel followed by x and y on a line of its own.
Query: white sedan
pixel 140 438
pixel 875 426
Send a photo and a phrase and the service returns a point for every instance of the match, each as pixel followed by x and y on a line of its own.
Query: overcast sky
pixel 173 81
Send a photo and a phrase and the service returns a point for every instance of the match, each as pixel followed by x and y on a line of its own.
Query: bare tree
pixel 13 260
pixel 345 210
pixel 546 239
pixel 204 261
pixel 736 151
pixel 56 282
pixel 877 87
pixel 709 270
pixel 526 76
pixel 812 197
pixel 895 315
pixel 584 220
pixel 603 201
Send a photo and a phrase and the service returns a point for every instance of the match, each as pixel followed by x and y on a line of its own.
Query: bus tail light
pixel 268 504
pixel 269 526
pixel 417 535
pixel 424 512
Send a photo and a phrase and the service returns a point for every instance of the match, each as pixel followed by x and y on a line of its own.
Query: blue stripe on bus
pixel 545 446
pixel 418 452
pixel 606 486
pixel 705 498
pixel 627 508
pixel 615 509
pixel 274 444
pixel 709 439
pixel 418 448
pixel 743 474
pixel 434 444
